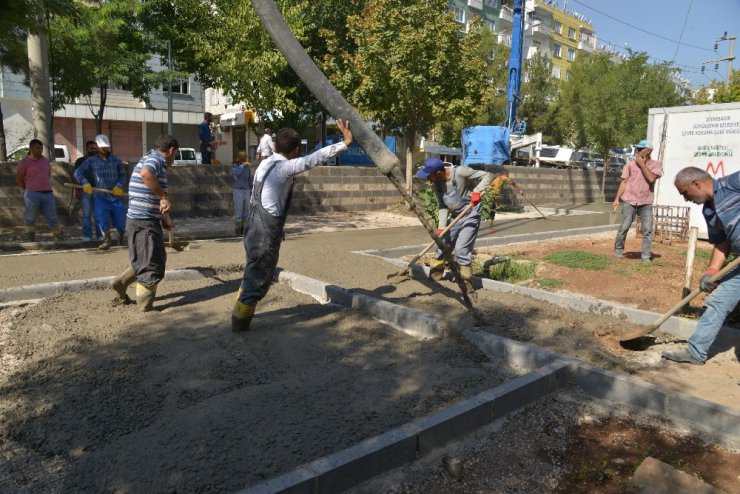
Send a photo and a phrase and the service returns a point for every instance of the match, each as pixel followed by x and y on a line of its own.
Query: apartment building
pixel 131 125
pixel 560 32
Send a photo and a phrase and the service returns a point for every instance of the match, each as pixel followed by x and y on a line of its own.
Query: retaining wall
pixel 206 190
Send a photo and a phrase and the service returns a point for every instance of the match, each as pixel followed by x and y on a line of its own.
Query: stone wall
pixel 206 190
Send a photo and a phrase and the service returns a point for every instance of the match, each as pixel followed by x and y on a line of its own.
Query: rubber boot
pixel 437 269
pixel 121 282
pixel 30 234
pixel 467 275
pixel 57 231
pixel 106 243
pixel 145 297
pixel 121 239
pixel 238 227
pixel 241 316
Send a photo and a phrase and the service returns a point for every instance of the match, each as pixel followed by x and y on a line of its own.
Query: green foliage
pixel 411 68
pixel 430 204
pixel 538 91
pixel 578 259
pixel 489 200
pixel 104 48
pixel 512 271
pixel 550 283
pixel 726 93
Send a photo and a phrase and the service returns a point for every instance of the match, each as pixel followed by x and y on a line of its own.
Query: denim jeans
pixel 646 219
pixel 87 211
pixel 104 209
pixel 718 305
pixel 43 201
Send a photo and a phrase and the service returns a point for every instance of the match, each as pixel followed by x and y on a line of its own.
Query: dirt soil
pixel 96 397
pixel 655 287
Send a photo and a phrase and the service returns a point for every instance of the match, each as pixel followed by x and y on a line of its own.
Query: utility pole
pixel 727 59
pixel 170 124
pixel 38 68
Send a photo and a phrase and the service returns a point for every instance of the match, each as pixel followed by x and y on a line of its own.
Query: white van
pixel 186 156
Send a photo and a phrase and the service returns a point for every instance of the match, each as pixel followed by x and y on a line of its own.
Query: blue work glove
pixel 704 284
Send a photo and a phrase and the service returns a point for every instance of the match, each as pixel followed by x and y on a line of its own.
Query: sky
pixel 657 26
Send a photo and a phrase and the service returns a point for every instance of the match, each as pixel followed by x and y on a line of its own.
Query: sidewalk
pixel 529 221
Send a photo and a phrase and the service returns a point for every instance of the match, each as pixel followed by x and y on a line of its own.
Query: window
pixel 491 3
pixel 571 33
pixel 567 75
pixel 556 72
pixel 491 25
pixel 460 16
pixel 571 54
pixel 557 27
pixel 556 49
pixel 178 87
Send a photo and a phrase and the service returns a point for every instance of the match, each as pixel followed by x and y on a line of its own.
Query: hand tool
pixel 628 339
pixel 97 189
pixel 180 245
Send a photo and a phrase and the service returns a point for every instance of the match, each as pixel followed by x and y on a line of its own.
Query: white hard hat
pixel 102 141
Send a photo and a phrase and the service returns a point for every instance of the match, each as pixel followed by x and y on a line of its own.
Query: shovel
pixel 97 189
pixel 405 272
pixel 178 246
pixel 629 339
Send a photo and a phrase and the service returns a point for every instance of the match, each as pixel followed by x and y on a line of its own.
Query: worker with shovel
pixel 720 199
pixel 456 188
pixel 148 205
pixel 104 170
pixel 271 193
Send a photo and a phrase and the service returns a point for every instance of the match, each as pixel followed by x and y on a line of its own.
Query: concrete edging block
pixel 44 290
pixel 299 481
pixel 516 353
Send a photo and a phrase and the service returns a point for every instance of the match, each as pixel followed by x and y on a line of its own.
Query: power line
pixel 640 29
pixel 680 36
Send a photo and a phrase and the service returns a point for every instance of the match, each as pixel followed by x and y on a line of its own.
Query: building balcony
pixel 475 4
pixel 504 39
pixel 587 43
pixel 506 14
pixel 540 29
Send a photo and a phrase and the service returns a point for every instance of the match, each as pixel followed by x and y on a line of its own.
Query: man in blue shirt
pixel 721 201
pixel 242 174
pixel 148 206
pixel 107 172
pixel 206 138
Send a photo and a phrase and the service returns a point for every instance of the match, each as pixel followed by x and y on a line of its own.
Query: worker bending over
pixel 456 187
pixel 271 194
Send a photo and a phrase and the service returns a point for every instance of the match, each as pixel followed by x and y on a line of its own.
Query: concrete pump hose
pixel 320 86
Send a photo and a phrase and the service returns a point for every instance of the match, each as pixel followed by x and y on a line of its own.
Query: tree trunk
pixel 101 109
pixel 38 68
pixel 3 147
pixel 410 139
pixel 603 175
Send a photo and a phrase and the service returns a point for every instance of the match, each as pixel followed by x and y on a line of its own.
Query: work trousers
pixel 205 153
pixel 718 304
pixel 104 209
pixel 629 212
pixel 43 201
pixel 241 204
pixel 462 236
pixel 146 250
pixel 87 211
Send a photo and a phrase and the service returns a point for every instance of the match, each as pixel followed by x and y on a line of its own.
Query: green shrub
pixel 578 259
pixel 512 271
pixel 429 203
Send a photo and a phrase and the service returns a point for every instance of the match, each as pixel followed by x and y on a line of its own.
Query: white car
pixel 61 153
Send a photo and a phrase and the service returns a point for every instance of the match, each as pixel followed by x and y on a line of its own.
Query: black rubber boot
pixel 121 282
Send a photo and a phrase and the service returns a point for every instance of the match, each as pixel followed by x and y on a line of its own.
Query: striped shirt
pixel 143 204
pixel 723 220
pixel 105 174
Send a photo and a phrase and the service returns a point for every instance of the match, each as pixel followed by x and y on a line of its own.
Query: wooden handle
pixel 688 298
pixel 170 232
pixel 97 189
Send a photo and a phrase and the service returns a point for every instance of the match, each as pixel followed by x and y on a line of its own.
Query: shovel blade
pixel 636 333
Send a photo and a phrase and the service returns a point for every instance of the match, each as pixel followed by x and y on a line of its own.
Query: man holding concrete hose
pixel 271 194
pixel 720 199
pixel 456 187
pixel 148 203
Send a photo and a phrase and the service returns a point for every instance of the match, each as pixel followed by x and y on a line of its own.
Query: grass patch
pixel 512 271
pixel 703 254
pixel 550 283
pixel 578 259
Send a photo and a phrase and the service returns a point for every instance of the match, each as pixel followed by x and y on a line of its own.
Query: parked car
pixel 186 156
pixel 588 160
pixel 616 163
pixel 61 153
